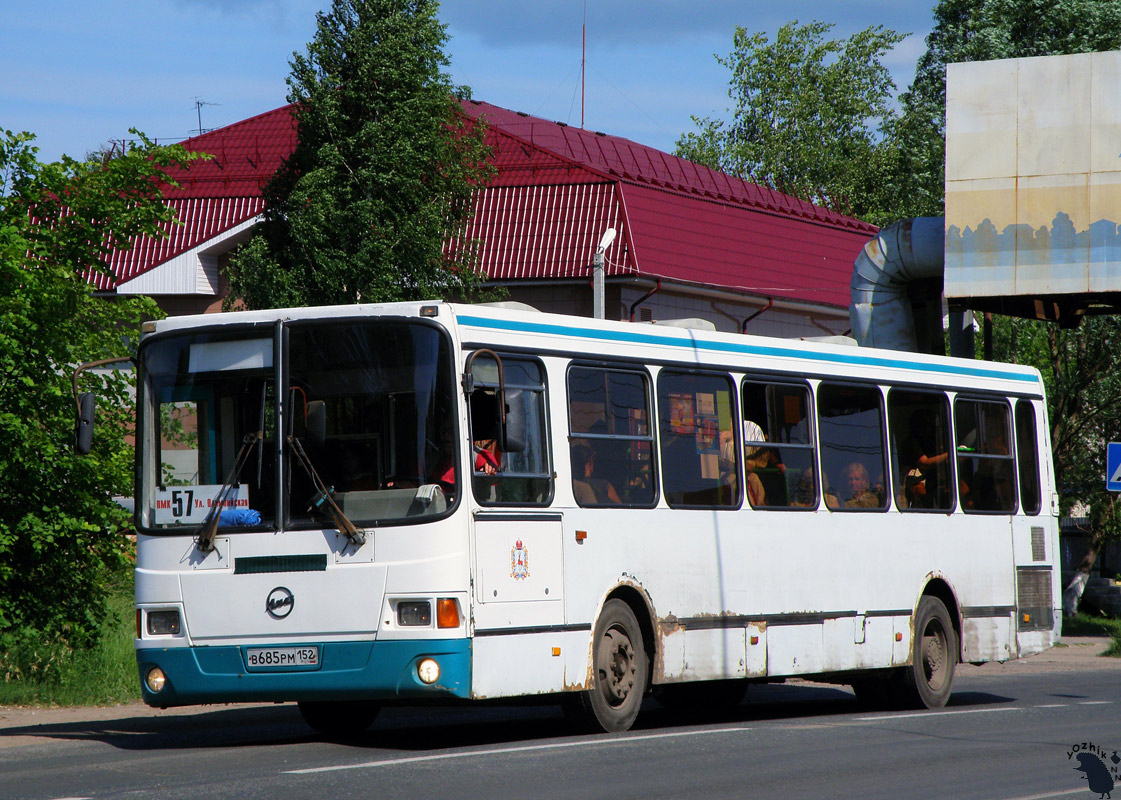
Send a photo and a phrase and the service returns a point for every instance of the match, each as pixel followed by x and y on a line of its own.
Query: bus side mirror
pixel 83 436
pixel 514 431
pixel 316 423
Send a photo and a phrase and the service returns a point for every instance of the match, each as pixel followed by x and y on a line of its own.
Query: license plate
pixel 269 657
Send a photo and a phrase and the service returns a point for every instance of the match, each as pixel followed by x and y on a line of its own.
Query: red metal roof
pixel 676 219
pixel 215 195
pixel 244 156
pixel 617 158
pixel 557 189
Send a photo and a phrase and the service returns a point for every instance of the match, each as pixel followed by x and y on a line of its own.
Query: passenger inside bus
pixel 444 473
pixel 766 484
pixel 488 458
pixel 919 462
pixel 588 489
pixel 484 422
pixel 805 490
pixel 856 489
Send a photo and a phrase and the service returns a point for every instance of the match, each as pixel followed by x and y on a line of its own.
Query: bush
pixel 39 670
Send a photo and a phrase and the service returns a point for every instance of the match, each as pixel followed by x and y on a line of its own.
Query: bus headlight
pixel 163 623
pixel 155 680
pixel 428 671
pixel 414 612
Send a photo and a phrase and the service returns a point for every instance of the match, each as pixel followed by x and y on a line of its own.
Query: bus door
pixel 516 540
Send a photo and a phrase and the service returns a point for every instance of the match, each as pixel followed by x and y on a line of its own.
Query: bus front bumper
pixel 385 670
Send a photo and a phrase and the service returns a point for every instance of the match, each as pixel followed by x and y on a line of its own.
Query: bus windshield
pixel 366 426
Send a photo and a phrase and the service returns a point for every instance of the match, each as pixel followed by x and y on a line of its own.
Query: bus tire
pixel 338 718
pixel 620 670
pixel 927 682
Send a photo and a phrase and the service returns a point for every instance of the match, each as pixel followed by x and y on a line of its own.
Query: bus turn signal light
pixel 447 613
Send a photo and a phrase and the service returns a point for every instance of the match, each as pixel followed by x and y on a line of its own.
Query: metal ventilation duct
pixel 885 276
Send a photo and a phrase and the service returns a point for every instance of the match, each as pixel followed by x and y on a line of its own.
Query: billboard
pixel 1033 179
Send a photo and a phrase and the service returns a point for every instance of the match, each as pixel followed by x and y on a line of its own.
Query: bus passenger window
pixel 1027 458
pixel 695 415
pixel 610 436
pixel 498 478
pixel 778 446
pixel 850 424
pixel 920 450
pixel 986 480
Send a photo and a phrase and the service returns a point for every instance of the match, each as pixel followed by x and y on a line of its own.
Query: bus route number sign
pixel 189 505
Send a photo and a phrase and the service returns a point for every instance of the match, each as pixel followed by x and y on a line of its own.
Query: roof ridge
pixel 225 129
pixel 620 158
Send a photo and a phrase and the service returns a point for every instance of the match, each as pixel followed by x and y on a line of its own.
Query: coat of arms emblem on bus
pixel 519 561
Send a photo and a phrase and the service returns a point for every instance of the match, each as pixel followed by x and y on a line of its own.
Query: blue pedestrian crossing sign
pixel 1113 467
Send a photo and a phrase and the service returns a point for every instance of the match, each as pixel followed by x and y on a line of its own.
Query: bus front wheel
pixel 619 671
pixel 927 682
pixel 336 718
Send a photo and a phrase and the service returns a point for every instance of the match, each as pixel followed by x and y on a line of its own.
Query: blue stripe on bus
pixel 741 349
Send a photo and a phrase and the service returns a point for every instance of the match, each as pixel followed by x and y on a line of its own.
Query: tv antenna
pixel 199 103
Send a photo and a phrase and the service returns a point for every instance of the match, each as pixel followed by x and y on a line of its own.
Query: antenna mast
pixel 199 103
pixel 583 51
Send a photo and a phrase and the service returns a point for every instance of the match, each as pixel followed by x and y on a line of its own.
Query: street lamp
pixel 597 272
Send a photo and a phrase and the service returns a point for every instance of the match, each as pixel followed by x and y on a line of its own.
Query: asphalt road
pixel 1009 732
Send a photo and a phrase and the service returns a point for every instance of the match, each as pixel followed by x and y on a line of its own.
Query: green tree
pixel 1080 370
pixel 383 173
pixel 808 115
pixel 62 538
pixel 981 30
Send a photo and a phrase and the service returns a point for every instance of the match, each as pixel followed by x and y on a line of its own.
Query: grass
pixel 105 675
pixel 1095 625
pixel 1091 625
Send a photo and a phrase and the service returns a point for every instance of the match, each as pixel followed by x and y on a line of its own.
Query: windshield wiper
pixel 324 497
pixel 209 528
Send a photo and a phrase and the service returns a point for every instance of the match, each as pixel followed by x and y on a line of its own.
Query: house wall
pixel 727 316
pixel 176 305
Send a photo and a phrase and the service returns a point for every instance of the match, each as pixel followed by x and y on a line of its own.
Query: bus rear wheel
pixel 927 682
pixel 338 718
pixel 620 671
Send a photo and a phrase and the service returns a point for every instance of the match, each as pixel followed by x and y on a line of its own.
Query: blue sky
pixel 78 74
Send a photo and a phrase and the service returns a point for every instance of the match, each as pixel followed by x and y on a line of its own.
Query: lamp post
pixel 597 272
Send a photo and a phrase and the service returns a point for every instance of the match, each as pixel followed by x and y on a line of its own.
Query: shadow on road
pixel 421 729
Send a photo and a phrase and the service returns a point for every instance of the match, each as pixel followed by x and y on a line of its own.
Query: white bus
pixel 352 506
